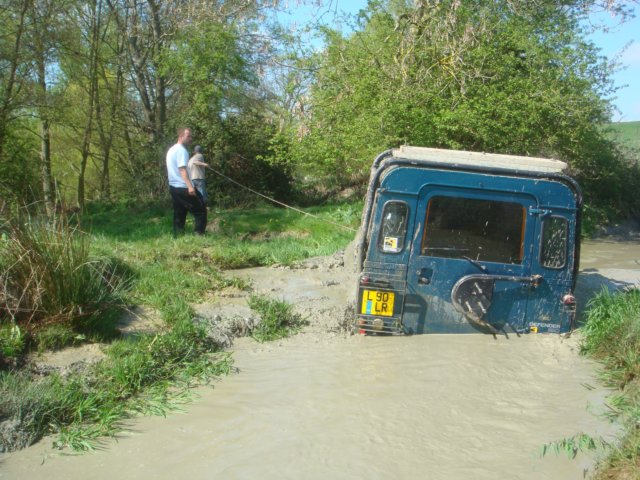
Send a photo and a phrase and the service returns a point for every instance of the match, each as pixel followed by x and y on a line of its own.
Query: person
pixel 184 196
pixel 196 168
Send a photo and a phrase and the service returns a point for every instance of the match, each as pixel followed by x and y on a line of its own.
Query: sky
pixel 622 42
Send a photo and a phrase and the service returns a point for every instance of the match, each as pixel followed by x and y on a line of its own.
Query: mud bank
pixel 325 404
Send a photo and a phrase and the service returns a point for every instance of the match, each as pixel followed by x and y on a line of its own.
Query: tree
pixel 45 17
pixel 505 76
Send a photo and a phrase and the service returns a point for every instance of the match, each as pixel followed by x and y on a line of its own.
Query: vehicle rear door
pixel 470 258
pixel 551 306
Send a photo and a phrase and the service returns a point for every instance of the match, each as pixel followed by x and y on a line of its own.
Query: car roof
pixel 479 159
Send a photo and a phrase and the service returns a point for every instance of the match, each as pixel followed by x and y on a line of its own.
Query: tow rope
pixel 280 203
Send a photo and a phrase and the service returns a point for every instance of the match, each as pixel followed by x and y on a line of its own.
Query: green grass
pixel 626 133
pixel 149 374
pixel 191 266
pixel 277 319
pixel 612 336
pixel 50 279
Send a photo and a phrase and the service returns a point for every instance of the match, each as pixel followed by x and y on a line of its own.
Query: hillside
pixel 627 133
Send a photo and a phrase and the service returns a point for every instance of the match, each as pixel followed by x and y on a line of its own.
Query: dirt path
pixel 324 404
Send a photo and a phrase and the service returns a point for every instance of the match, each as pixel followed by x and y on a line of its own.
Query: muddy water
pixel 328 406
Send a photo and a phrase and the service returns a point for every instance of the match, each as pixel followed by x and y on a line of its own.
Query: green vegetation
pixel 148 374
pixel 291 121
pixel 627 134
pixel 277 319
pixel 190 266
pixel 51 278
pixel 580 442
pixel 612 336
pixel 141 264
pixel 486 76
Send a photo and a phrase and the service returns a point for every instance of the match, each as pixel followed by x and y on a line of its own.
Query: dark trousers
pixel 183 203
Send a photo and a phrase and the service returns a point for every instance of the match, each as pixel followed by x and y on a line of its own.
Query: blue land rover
pixel 461 242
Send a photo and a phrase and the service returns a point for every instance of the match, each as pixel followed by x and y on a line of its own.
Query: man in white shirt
pixel 184 196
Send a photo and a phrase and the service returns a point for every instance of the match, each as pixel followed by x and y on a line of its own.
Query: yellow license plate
pixel 375 302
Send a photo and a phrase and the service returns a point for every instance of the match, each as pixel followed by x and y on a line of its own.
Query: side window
pixel 485 230
pixel 394 227
pixel 553 251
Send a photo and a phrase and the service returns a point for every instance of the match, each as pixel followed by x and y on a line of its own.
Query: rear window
pixel 553 251
pixel 393 228
pixel 484 230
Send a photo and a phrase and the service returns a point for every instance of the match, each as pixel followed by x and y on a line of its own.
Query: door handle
pixel 424 276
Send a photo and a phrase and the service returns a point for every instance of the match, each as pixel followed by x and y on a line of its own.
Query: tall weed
pixel 50 278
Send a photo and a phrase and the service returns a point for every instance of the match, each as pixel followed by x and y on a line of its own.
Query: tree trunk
pixel 8 100
pixel 45 136
pixel 93 88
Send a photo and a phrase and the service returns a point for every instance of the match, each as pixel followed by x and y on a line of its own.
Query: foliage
pixel 90 100
pixel 594 216
pixel 277 319
pixel 50 277
pixel 580 442
pixel 12 341
pixel 19 182
pixel 612 336
pixel 503 76
pixel 56 336
pixel 239 156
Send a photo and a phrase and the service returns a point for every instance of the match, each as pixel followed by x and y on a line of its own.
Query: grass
pixel 612 336
pixel 191 267
pixel 626 133
pixel 142 375
pixel 149 374
pixel 277 319
pixel 50 279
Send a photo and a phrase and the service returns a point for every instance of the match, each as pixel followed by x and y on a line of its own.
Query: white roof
pixel 479 159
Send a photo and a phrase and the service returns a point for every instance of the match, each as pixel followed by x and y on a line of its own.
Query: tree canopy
pixel 91 91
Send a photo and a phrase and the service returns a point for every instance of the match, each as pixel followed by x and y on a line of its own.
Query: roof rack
pixel 479 159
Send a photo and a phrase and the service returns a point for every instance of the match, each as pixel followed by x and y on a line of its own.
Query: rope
pixel 280 203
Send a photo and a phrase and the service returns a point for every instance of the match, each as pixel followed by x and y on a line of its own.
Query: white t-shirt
pixel 177 157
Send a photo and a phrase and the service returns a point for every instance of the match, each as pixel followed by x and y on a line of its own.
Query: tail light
pixel 569 301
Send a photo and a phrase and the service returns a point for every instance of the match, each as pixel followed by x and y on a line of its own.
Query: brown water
pixel 329 406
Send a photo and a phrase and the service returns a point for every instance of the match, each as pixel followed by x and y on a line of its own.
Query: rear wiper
pixel 476 263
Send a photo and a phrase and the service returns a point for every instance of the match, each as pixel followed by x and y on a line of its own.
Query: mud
pixel 325 404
